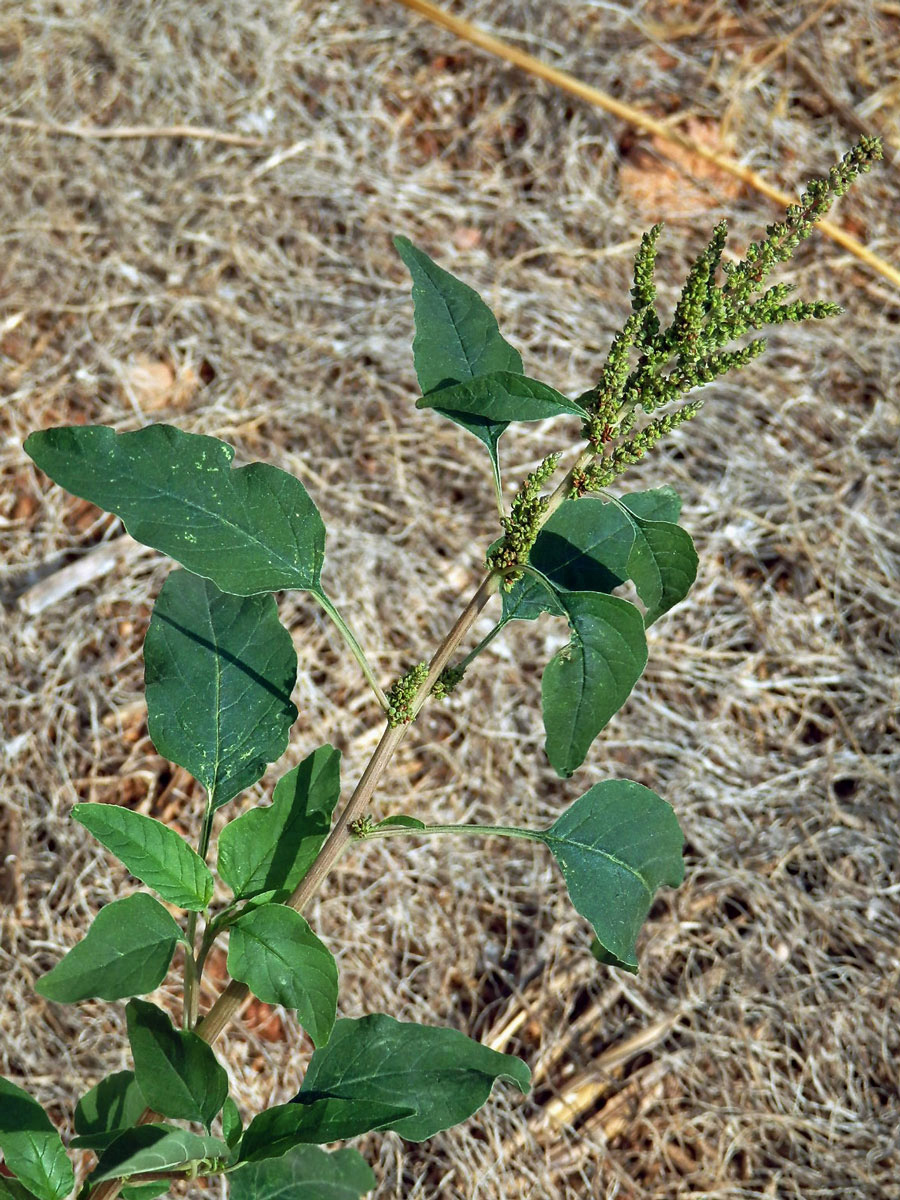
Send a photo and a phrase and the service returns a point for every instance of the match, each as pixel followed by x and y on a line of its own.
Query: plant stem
pixel 498 487
pixel 355 648
pixel 510 831
pixel 192 966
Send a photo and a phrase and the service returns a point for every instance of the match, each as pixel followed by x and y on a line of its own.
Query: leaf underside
pixel 304 1173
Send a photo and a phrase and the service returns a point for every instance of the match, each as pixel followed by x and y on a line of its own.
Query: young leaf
pixel 277 955
pixel 152 852
pixel 305 1173
pixel 402 821
pixel 31 1147
pixel 457 339
pixel 251 529
pixel 270 849
pixel 662 564
pixel 126 952
pixel 155 1148
pixel 232 1125
pixel 586 683
pixel 501 397
pixel 176 1070
pixel 615 846
pixel 107 1110
pixel 440 1074
pixel 323 1120
pixel 219 674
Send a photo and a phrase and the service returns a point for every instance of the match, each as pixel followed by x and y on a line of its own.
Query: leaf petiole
pixel 531 835
pixel 352 644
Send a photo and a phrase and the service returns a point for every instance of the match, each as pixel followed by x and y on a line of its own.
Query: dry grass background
pixel 252 293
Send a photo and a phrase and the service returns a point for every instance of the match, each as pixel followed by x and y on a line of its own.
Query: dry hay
pixel 252 293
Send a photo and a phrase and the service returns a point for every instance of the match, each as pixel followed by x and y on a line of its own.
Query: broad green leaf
pixel 232 1125
pixel 457 335
pixel 305 1173
pixel 219 674
pixel 457 339
pixel 501 397
pixel 324 1120
pixel 107 1110
pixel 277 955
pixel 440 1074
pixel 657 504
pixel 583 547
pixel 270 849
pixel 31 1147
pixel 662 565
pixel 176 1070
pixel 126 952
pixel 615 846
pixel 251 529
pixel 586 682
pixel 588 545
pixel 12 1189
pixel 152 852
pixel 155 1148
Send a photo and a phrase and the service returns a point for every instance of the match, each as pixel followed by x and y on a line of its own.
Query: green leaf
pixel 615 846
pixel 277 955
pixel 250 530
pixel 270 849
pixel 583 547
pixel 657 504
pixel 219 675
pixel 11 1189
pixel 401 821
pixel 31 1147
pixel 107 1110
pixel 662 565
pixel 232 1125
pixel 305 1173
pixel 152 852
pixel 155 1148
pixel 323 1120
pixel 586 546
pixel 440 1074
pixel 176 1070
pixel 457 335
pixel 586 682
pixel 603 956
pixel 457 339
pixel 126 952
pixel 501 397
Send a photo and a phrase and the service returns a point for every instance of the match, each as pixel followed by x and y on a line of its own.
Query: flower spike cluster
pixel 708 317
